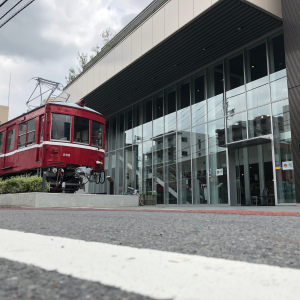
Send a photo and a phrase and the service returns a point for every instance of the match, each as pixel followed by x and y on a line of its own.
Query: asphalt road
pixel 258 239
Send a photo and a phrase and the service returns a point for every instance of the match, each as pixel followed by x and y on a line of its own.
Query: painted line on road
pixel 226 212
pixel 158 274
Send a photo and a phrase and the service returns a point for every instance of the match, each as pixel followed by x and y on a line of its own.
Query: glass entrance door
pixel 254 175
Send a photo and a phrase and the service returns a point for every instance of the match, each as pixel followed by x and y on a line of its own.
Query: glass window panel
pixel 119 172
pixel 283 152
pixel 147 119
pixel 158 150
pixel 42 130
pixel 10 140
pixel 215 91
pixel 22 135
pixel 158 115
pixel 81 132
pixel 22 128
pixel 1 141
pixel 31 125
pixel 112 167
pixel 259 121
pixel 30 138
pixel 97 134
pixel 138 167
pixel 170 172
pixel 138 123
pixel 235 84
pixel 107 134
pixel 170 110
pixel 184 167
pixel 217 163
pixel 147 168
pixel 183 105
pixel 120 130
pixel 128 178
pixel 198 100
pixel 258 92
pixel 61 127
pixel 199 154
pixel 112 133
pixel 279 88
pixel 128 127
pixel 237 127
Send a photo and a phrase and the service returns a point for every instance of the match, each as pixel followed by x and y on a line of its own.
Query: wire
pixel 10 10
pixel 3 2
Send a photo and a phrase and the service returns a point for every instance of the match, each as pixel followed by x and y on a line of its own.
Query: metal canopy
pixel 248 143
pixel 228 26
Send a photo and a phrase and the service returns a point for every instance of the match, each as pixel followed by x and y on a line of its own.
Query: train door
pixel 10 146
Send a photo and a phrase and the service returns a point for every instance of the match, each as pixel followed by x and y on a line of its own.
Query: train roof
pixel 74 105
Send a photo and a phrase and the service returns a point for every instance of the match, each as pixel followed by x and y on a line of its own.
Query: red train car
pixel 62 139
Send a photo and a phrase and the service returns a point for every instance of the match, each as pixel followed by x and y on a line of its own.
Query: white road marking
pixel 158 274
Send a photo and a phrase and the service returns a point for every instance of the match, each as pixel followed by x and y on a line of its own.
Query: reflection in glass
pixel 61 127
pixel 259 121
pixel 184 167
pixel 217 162
pixel 198 100
pixel 112 165
pixel 235 89
pixel 170 110
pixel 128 178
pixel 128 127
pixel 137 167
pixel 120 130
pixel 31 132
pixel 42 130
pixel 199 154
pixel 215 91
pixel 112 131
pixel 283 152
pixel 258 92
pixel 10 140
pixel 170 169
pixel 147 119
pixel 279 89
pixel 81 132
pixel 183 106
pixel 138 123
pixel 107 134
pixel 119 172
pixel 158 150
pixel 237 127
pixel 22 135
pixel 158 115
pixel 147 168
pixel 97 129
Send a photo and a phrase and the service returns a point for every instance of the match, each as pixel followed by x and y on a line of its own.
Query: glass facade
pixel 175 144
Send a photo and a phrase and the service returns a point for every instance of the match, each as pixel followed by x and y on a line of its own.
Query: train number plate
pixel 67 154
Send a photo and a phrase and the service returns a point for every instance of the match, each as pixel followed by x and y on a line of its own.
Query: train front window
pixel 81 130
pixel 97 134
pixel 61 127
pixel 1 141
pixel 22 135
pixel 10 140
pixel 31 132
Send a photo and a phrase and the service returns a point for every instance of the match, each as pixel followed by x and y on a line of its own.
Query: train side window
pixel 1 141
pixel 22 135
pixel 81 130
pixel 10 140
pixel 42 130
pixel 61 127
pixel 97 134
pixel 31 132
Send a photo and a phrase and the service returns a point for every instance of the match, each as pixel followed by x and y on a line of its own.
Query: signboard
pixel 219 172
pixel 287 165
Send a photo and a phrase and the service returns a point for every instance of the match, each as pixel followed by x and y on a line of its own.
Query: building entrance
pixel 254 175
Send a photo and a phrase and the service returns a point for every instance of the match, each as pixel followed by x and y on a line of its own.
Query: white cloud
pixel 43 40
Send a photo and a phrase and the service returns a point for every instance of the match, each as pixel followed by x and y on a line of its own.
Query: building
pixel 3 114
pixel 201 99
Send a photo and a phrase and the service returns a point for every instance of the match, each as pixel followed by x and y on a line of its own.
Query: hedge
pixel 22 184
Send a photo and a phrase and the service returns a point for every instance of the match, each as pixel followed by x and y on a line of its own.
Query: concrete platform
pixel 47 200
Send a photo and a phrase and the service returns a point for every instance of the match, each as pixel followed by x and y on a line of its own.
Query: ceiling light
pixel 262 117
pixel 252 67
pixel 268 116
pixel 198 91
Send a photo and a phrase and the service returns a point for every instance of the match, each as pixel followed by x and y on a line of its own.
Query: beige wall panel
pixel 158 26
pixel 127 50
pixel 97 74
pixel 147 36
pixel 73 92
pixel 214 1
pixel 171 17
pixel 136 44
pixel 69 91
pixel 79 88
pixel 90 76
pixel 200 6
pixel 259 3
pixel 119 58
pixel 103 71
pixel 84 84
pixel 274 7
pixel 186 11
pixel 110 64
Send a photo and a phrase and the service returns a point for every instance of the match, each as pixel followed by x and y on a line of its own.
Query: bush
pixel 22 184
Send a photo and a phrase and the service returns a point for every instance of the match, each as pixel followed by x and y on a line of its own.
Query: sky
pixel 43 41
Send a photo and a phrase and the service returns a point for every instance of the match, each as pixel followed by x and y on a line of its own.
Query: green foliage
pixel 22 184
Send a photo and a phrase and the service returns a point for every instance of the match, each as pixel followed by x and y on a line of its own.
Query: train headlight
pixel 98 162
pixel 54 170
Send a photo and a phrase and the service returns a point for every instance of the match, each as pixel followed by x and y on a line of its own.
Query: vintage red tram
pixel 65 140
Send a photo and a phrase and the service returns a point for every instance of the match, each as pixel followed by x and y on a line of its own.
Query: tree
pixel 107 35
